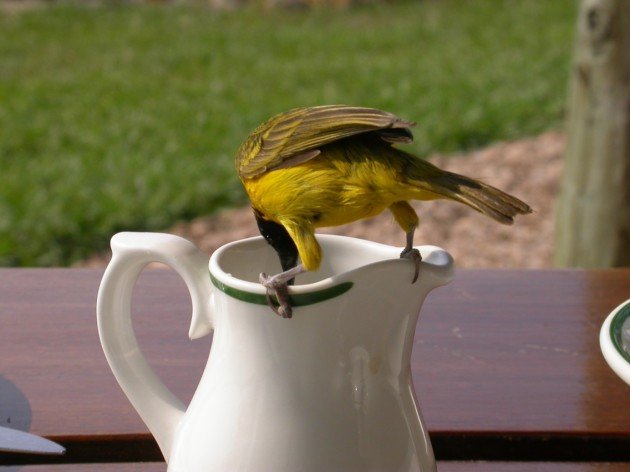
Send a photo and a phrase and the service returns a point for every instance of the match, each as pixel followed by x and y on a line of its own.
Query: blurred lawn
pixel 128 117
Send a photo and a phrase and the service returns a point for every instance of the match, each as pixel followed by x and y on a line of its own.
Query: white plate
pixel 614 340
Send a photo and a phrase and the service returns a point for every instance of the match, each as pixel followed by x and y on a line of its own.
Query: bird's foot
pixel 412 254
pixel 281 290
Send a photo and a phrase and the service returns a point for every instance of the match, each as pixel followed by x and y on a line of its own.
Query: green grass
pixel 118 118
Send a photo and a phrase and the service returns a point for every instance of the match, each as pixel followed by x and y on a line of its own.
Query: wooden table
pixel 506 365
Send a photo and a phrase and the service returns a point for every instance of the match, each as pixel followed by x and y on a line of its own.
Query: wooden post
pixel 593 212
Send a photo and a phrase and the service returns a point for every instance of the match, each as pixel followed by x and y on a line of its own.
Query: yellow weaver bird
pixel 330 165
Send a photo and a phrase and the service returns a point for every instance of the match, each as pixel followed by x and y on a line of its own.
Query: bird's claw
pixel 414 255
pixel 281 290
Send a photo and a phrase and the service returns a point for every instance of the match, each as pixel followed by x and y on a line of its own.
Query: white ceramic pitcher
pixel 328 390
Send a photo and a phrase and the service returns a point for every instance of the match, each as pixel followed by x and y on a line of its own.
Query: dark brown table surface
pixel 443 466
pixel 506 366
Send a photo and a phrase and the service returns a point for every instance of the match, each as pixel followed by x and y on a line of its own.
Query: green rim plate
pixel 616 331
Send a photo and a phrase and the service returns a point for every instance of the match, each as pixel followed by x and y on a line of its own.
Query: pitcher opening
pixel 244 260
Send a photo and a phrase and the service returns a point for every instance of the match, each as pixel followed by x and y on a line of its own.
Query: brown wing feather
pixel 303 130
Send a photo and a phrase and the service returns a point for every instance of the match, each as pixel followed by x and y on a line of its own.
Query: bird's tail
pixel 479 196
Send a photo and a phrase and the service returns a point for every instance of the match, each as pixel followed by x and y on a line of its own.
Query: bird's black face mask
pixel 279 239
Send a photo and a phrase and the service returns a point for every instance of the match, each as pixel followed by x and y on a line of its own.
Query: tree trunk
pixel 593 213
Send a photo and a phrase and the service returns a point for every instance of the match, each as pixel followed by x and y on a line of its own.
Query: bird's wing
pixel 295 136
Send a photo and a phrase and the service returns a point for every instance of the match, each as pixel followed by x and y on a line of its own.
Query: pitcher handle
pixel 158 407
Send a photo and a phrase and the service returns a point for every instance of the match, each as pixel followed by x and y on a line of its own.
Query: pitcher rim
pixel 325 288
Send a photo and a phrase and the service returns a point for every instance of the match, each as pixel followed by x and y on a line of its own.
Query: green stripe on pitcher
pixel 299 299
